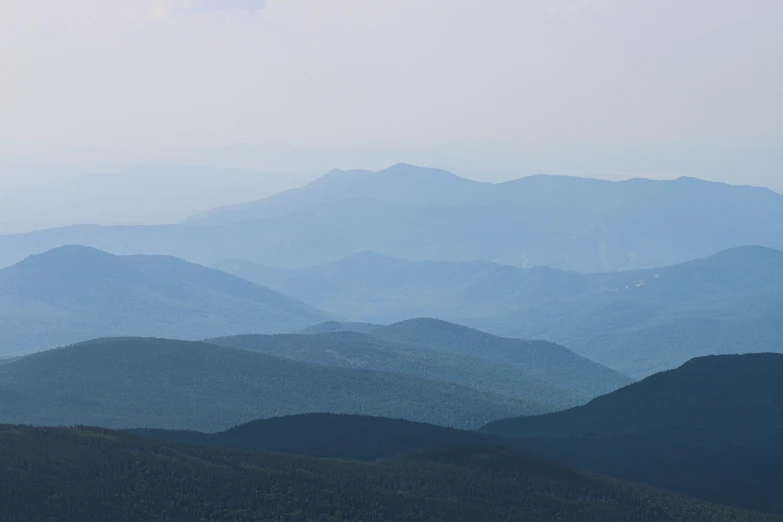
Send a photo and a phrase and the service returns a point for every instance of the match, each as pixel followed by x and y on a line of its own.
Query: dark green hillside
pixel 332 436
pixel 712 428
pixel 544 360
pixel 75 293
pixel 355 350
pixel 132 383
pixel 87 474
pixel 726 396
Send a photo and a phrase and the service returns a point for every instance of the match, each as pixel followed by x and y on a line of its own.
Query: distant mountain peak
pixel 406 169
pixel 69 257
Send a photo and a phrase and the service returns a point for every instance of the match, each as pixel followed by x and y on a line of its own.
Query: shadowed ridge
pixel 333 436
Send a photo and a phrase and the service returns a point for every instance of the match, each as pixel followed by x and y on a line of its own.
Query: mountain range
pixel 415 213
pixel 636 322
pixel 75 293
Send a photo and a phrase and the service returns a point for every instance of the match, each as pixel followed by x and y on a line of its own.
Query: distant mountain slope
pixel 590 225
pixel 75 293
pixel 401 183
pixel 105 475
pixel 332 436
pixel 335 326
pixel 415 213
pixel 538 383
pixel 636 322
pixel 711 428
pixel 132 383
pixel 544 360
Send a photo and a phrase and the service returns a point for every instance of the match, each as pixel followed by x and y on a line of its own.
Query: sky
pixel 492 88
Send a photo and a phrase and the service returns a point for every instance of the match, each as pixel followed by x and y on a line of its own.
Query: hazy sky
pixel 571 85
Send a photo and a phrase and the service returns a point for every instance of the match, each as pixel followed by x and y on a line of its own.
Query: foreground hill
pixel 414 213
pixel 547 375
pixel 636 322
pixel 102 475
pixel 132 383
pixel 332 436
pixel 711 428
pixel 75 293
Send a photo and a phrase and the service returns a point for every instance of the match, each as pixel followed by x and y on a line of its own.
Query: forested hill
pixel 156 383
pixel 720 396
pixel 545 374
pixel 336 436
pixel 104 475
pixel 712 428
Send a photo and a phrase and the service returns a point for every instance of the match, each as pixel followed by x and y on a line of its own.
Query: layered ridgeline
pixel 419 214
pixel 138 383
pixel 75 293
pixel 547 374
pixel 712 428
pixel 105 475
pixel 636 322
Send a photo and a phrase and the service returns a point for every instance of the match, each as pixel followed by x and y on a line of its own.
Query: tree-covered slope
pixel 547 361
pixel 712 428
pixel 332 436
pixel 543 389
pixel 81 474
pixel 138 383
pixel 75 293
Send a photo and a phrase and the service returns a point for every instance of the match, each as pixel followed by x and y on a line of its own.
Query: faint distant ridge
pixel 399 183
pixel 421 214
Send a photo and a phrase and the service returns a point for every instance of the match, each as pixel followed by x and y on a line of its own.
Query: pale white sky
pixel 580 86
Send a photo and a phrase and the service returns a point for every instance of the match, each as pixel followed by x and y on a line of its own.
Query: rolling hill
pixel 332 436
pixel 548 376
pixel 105 475
pixel 75 293
pixel 712 428
pixel 636 322
pixel 154 383
pixel 414 213
pixel 543 360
